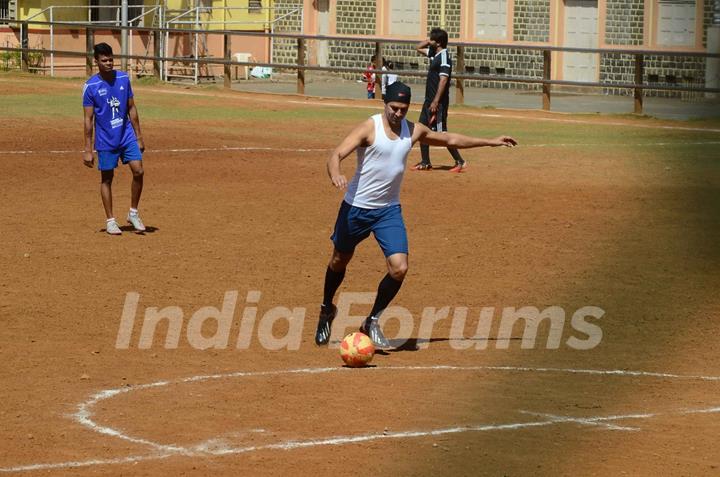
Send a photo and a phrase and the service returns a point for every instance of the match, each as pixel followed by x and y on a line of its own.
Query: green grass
pixel 167 107
pixel 32 106
pixel 589 136
pixel 158 102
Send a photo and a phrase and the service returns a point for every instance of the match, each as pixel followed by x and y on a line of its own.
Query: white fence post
pixel 52 44
pixel 196 50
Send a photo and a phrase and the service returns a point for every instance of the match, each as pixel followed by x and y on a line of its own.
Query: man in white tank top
pixel 372 201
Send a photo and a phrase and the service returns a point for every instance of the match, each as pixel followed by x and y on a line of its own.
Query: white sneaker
pixel 135 221
pixel 113 228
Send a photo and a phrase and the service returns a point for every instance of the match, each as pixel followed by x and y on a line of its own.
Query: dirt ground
pixel 631 230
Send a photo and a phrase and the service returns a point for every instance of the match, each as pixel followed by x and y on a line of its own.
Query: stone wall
pixel 284 50
pixel 452 17
pixel 353 17
pixel 624 28
pixel 350 54
pixel 658 70
pixel 624 22
pixel 674 70
pixel 532 20
pixel 509 61
pixel 356 17
pixel 707 19
pixel 531 23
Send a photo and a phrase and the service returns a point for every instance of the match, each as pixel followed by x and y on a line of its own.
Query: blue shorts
pixel 108 160
pixel 354 225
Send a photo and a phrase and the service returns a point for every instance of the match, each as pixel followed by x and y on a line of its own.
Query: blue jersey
pixel 110 102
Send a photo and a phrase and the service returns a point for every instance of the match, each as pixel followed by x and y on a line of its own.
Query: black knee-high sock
pixel 425 153
pixel 455 155
pixel 387 290
pixel 333 280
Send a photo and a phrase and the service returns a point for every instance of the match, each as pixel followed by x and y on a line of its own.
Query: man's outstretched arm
pixel 424 135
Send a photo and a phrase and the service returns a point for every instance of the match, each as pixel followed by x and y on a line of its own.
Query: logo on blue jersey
pixel 114 104
pixel 115 108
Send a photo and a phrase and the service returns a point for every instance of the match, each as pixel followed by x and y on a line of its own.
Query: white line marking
pixel 133 459
pixel 289 149
pixel 83 416
pixel 593 421
pixel 216 447
pixel 710 410
pixel 205 449
pixel 607 372
pixel 198 149
pixel 340 440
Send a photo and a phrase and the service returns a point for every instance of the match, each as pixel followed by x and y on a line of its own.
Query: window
pixel 4 8
pixel 676 23
pixel 491 19
pixel 405 17
pixel 254 5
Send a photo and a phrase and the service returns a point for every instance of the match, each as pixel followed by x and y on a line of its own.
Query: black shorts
pixel 440 123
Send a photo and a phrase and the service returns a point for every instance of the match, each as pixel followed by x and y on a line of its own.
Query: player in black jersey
pixel 437 94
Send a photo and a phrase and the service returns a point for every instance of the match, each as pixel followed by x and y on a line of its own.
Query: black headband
pixel 397 92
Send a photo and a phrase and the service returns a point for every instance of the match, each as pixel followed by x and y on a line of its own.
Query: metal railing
pixel 50 13
pixel 270 17
pixel 198 17
pixel 638 86
pixel 156 12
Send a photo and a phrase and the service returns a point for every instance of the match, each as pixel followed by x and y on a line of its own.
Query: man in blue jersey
pixel 372 201
pixel 110 108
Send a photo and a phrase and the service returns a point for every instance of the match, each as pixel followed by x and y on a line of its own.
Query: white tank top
pixel 380 169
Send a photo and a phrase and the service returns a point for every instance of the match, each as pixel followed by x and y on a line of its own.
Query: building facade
pixel 658 25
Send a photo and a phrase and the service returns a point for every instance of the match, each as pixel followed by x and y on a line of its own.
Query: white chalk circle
pixel 217 447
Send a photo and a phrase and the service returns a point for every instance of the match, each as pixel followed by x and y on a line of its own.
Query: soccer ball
pixel 357 350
